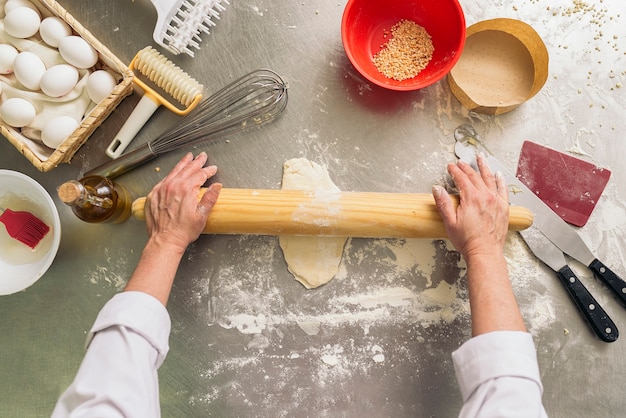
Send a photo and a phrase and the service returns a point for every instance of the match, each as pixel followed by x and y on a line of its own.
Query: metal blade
pixel 596 317
pixel 543 248
pixel 468 144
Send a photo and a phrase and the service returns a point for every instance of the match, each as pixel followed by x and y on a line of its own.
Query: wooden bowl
pixel 504 64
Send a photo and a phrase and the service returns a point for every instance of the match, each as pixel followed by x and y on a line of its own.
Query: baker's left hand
pixel 175 216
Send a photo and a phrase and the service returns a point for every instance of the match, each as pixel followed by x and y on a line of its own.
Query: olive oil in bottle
pixel 97 199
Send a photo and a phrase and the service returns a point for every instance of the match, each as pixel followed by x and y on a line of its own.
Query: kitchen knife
pixel 468 144
pixel 552 256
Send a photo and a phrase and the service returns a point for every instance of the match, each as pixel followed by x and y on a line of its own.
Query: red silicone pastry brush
pixel 24 226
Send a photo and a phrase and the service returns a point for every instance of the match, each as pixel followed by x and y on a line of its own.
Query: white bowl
pixel 21 266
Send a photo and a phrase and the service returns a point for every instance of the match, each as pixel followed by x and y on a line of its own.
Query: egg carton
pixel 46 159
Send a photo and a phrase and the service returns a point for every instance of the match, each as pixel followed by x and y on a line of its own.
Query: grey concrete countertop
pixel 247 339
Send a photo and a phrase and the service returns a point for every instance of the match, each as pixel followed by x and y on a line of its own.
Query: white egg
pixel 7 57
pixel 59 80
pixel 76 51
pixel 14 4
pixel 17 112
pixel 53 29
pixel 57 130
pixel 22 22
pixel 99 85
pixel 29 69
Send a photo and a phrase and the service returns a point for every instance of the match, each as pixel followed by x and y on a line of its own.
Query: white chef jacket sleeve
pixel 499 376
pixel 118 375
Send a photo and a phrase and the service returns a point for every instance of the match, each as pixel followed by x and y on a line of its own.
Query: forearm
pixel 492 300
pixel 156 270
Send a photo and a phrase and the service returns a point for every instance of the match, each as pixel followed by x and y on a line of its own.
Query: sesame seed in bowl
pixel 403 44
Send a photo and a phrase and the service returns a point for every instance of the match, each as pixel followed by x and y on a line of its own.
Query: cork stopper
pixel 70 192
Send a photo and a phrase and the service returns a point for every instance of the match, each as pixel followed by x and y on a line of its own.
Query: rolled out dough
pixel 313 261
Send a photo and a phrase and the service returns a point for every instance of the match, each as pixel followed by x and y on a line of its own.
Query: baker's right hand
pixel 478 226
pixel 174 215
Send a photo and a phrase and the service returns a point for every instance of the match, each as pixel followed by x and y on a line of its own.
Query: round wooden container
pixel 504 64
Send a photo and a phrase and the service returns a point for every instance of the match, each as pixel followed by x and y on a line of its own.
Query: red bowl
pixel 365 21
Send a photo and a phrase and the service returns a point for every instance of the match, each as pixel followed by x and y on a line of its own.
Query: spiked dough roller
pixel 167 76
pixel 348 214
pixel 180 23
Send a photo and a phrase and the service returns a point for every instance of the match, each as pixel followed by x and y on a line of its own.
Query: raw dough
pixel 313 261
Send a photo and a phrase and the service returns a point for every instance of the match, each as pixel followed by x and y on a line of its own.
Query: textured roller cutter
pixel 180 23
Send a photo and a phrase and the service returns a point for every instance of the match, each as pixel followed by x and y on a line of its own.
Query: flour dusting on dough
pixel 313 261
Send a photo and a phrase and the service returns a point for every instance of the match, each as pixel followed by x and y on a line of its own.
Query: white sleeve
pixel 118 376
pixel 499 376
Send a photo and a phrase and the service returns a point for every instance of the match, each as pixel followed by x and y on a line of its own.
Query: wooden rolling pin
pixel 348 214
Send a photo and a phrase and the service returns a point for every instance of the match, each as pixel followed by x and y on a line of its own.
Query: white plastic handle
pixel 142 112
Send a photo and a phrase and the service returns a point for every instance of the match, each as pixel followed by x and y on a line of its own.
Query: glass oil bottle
pixel 97 199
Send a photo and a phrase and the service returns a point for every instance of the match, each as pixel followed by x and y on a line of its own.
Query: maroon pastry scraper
pixel 569 185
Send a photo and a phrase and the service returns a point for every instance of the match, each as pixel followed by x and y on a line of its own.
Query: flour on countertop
pixel 256 10
pixel 393 303
pixel 389 306
pixel 525 271
pixel 111 273
pixel 402 290
pixel 250 312
pixel 576 147
pixel 376 306
pixel 103 275
pixel 609 220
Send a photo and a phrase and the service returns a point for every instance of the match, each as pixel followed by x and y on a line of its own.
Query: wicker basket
pixel 89 124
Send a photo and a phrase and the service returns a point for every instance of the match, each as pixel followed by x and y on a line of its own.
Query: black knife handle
pixel 616 284
pixel 597 318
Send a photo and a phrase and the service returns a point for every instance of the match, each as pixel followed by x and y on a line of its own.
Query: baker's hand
pixel 174 215
pixel 478 226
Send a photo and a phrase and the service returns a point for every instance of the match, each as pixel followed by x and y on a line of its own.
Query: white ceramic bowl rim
pixel 14 278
